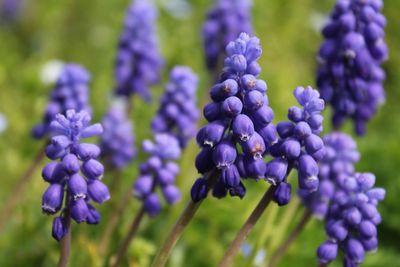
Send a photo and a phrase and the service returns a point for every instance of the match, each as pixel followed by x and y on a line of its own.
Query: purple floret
pixel 350 77
pixel 74 170
pixel 225 21
pixel 138 60
pixel 71 91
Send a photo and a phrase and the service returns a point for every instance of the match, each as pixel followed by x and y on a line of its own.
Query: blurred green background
pixel 87 32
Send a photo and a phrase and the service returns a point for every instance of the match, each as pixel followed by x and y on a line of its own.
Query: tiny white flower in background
pixel 318 20
pixel 260 257
pixel 50 71
pixel 3 123
pixel 177 8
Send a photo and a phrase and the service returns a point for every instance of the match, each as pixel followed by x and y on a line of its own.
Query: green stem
pixel 113 222
pixel 246 228
pixel 65 243
pixel 128 239
pixel 187 215
pixel 264 234
pixel 278 254
pixel 19 188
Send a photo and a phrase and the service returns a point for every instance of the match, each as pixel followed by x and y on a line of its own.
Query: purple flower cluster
pixel 70 92
pixel 159 170
pixel 225 21
pixel 117 141
pixel 352 219
pixel 138 61
pixel 173 126
pixel 238 115
pixel 338 162
pixel 299 146
pixel 178 113
pixel 350 76
pixel 75 170
pixel 11 10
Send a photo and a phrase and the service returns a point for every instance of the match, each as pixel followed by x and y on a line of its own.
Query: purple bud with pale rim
pixel 282 194
pixel 98 191
pixel 327 252
pixel 52 199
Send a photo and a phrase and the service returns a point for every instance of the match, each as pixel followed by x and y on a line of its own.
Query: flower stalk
pixel 275 258
pixel 187 215
pixel 129 237
pixel 246 228
pixel 12 201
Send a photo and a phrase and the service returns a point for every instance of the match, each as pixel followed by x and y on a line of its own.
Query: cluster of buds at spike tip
pixel 239 129
pixel 177 112
pixel 350 77
pixel 138 61
pixel 117 141
pixel 75 170
pixel 299 146
pixel 352 219
pixel 225 21
pixel 70 92
pixel 339 160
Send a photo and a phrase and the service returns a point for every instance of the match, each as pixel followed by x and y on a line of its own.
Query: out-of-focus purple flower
pixel 178 113
pixel 70 92
pixel 225 21
pixel 339 160
pixel 11 10
pixel 173 126
pixel 238 115
pixel 74 170
pixel 350 76
pixel 299 146
pixel 117 141
pixel 159 170
pixel 352 219
pixel 138 60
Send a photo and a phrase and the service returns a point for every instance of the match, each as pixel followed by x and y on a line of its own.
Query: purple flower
pixel 138 61
pixel 340 157
pixel 78 175
pixel 178 113
pixel 117 141
pixel 173 126
pixel 11 10
pixel 238 115
pixel 224 22
pixel 299 146
pixel 350 77
pixel 347 201
pixel 70 92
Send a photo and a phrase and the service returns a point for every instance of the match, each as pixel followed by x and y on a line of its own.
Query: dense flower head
pixel 239 129
pixel 71 91
pixel 352 219
pixel 178 113
pixel 350 76
pixel 299 146
pixel 117 141
pixel 74 170
pixel 225 21
pixel 138 61
pixel 158 171
pixel 339 160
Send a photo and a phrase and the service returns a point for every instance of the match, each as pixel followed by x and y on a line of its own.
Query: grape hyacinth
pixel 238 115
pixel 225 21
pixel 178 113
pixel 339 160
pixel 352 219
pixel 299 146
pixel 117 141
pixel 74 170
pixel 173 126
pixel 71 91
pixel 138 60
pixel 350 76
